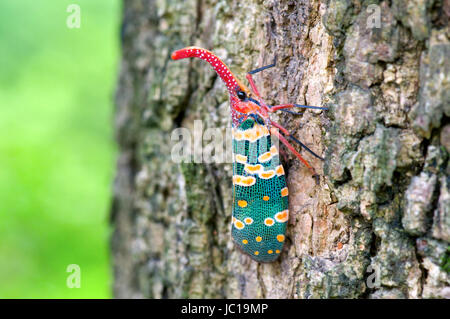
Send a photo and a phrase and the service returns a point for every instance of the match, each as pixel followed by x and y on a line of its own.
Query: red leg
pixel 252 85
pixel 286 132
pixel 282 129
pixel 263 104
pixel 292 149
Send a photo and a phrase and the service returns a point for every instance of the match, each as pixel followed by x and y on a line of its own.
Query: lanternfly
pixel 260 194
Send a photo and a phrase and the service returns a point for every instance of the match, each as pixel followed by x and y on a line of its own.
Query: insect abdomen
pixel 260 208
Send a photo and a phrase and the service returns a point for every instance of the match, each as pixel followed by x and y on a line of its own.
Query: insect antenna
pixel 264 67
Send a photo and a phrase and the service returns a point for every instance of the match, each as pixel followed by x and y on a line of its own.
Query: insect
pixel 260 193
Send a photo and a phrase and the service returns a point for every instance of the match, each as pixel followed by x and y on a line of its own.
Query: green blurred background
pixel 57 151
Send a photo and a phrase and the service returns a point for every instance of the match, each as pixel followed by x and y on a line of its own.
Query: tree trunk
pixel 377 226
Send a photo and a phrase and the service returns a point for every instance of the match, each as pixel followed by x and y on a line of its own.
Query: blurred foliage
pixel 56 146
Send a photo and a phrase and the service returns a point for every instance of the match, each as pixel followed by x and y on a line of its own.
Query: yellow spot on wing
pixel 249 181
pixel 282 217
pixel 238 224
pixel 241 159
pixel 242 203
pixel 243 180
pixel 267 174
pixel 253 169
pixel 279 170
pixel 258 131
pixel 249 135
pixel 248 220
pixel 284 192
pixel 237 135
pixel 265 157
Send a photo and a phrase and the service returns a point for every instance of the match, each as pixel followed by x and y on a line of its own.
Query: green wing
pixel 260 194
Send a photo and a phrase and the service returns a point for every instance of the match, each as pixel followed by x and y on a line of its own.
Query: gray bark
pixel 377 226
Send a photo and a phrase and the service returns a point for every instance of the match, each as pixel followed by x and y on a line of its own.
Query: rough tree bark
pixel 377 226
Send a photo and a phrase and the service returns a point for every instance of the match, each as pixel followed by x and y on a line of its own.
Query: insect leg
pixel 275 131
pixel 305 147
pixel 286 132
pixel 286 106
